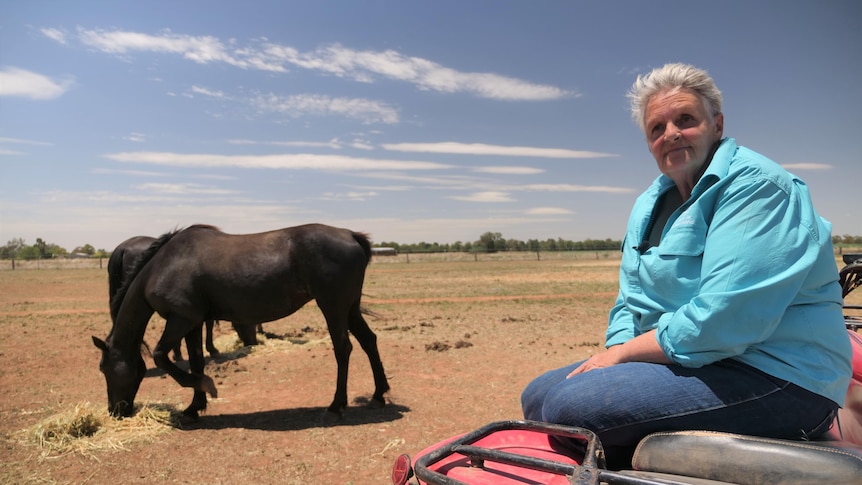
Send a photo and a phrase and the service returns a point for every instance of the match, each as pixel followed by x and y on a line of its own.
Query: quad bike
pixel 525 452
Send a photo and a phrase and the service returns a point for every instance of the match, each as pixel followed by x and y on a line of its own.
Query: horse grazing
pixel 201 273
pixel 122 261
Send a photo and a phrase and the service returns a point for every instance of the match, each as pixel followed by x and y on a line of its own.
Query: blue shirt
pixel 745 270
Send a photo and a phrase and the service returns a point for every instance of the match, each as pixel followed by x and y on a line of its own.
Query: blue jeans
pixel 625 402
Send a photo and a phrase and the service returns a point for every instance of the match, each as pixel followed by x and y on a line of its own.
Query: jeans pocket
pixel 822 427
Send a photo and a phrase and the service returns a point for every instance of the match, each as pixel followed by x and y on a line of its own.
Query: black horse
pixel 200 273
pixel 122 262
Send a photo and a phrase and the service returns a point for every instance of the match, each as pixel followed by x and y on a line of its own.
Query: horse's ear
pixel 100 344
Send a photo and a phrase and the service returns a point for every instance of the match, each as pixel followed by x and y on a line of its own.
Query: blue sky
pixel 413 121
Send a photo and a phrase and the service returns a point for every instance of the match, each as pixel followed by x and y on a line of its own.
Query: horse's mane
pixel 120 295
pixel 115 276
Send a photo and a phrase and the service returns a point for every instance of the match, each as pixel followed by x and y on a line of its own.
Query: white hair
pixel 673 77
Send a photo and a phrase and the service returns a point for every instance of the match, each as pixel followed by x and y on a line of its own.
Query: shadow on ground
pixel 299 418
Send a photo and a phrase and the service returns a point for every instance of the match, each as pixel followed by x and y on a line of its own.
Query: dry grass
pixel 86 429
pixel 522 317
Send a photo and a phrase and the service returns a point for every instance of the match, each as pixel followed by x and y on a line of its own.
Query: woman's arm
pixel 643 348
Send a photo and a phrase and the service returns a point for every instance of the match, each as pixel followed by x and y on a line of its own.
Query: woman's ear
pixel 719 124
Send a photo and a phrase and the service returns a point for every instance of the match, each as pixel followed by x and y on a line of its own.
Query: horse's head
pixel 123 374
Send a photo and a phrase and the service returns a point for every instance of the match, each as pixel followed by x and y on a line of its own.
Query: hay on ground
pixel 87 429
pixel 231 347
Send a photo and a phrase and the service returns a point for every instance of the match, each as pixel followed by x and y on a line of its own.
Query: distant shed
pixel 384 252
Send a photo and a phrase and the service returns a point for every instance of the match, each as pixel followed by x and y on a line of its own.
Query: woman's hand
pixel 606 358
pixel 643 348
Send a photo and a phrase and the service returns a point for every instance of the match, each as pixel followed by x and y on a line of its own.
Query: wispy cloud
pixel 335 59
pixel 280 161
pixel 365 66
pixel 182 189
pixel 54 34
pixel 354 196
pixel 490 196
pixel 18 141
pixel 806 166
pixel 200 49
pixel 548 211
pixel 333 144
pixel 136 137
pixel 361 144
pixel 22 83
pixel 503 194
pixel 132 173
pixel 447 182
pixel 24 141
pixel 473 183
pixel 574 188
pixel 207 92
pixel 503 150
pixel 365 110
pixel 509 170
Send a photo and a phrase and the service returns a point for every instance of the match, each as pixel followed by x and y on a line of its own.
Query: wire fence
pixel 404 257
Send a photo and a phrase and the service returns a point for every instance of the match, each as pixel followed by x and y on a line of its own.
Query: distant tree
pixel 85 249
pixel 11 249
pixel 42 247
pixel 491 241
pixel 29 253
pixel 48 250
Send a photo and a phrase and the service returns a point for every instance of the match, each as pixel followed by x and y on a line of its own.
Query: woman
pixel 728 316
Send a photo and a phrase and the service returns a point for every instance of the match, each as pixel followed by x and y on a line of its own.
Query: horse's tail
pixel 363 240
pixel 129 277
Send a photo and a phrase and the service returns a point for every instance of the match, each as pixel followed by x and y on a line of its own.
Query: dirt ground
pixel 459 340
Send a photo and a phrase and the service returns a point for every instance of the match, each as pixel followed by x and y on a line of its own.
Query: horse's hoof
pixel 375 403
pixel 190 415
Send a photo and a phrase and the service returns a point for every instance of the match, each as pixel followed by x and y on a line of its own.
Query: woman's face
pixel 680 132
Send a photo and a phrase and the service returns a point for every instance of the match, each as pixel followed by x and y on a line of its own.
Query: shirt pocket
pixel 686 237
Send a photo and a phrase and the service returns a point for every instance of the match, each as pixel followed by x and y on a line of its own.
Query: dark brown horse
pixel 122 261
pixel 200 274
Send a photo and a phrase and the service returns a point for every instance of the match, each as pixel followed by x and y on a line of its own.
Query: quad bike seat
pixel 751 460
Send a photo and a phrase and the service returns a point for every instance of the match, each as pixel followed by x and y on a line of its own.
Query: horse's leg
pixel 196 365
pixel 368 341
pixel 337 324
pixel 178 353
pixel 245 332
pixel 176 330
pixel 211 348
